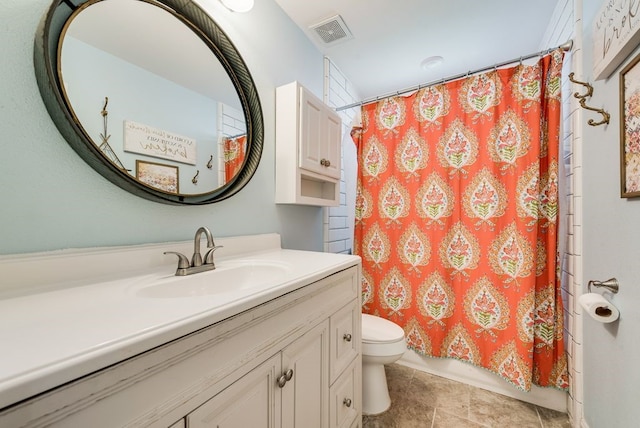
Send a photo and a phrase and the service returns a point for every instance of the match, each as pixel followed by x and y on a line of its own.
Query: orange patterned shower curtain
pixel 234 153
pixel 456 220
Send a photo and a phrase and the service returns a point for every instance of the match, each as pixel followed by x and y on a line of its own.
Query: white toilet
pixel 382 343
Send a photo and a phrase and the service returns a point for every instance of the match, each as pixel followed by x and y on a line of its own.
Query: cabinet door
pixel 252 401
pixel 304 397
pixel 333 145
pixel 320 136
pixel 311 138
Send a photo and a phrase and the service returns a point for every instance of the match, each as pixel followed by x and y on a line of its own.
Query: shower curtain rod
pixel 565 47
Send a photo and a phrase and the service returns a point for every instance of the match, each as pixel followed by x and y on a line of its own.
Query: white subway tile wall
pixel 338 227
pixel 566 24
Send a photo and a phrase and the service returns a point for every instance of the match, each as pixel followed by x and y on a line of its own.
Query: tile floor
pixel 422 400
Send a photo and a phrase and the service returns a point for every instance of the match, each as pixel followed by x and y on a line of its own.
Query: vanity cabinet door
pixel 304 396
pixel 252 401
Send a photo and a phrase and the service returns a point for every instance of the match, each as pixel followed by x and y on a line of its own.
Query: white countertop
pixel 52 337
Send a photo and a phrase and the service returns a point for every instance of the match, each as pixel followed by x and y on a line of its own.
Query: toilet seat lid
pixel 376 329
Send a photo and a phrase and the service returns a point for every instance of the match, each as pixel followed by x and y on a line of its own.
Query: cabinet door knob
pixel 325 162
pixel 284 378
pixel 347 337
pixel 282 381
pixel 288 374
pixel 347 402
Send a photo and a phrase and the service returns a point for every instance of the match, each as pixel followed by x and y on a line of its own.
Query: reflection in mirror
pixel 153 98
pixel 151 94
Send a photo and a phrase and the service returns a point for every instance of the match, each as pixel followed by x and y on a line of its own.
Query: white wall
pixel 51 199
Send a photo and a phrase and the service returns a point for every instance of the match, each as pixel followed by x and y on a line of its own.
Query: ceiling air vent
pixel 332 30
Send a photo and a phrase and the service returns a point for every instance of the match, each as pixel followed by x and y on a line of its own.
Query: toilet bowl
pixel 382 343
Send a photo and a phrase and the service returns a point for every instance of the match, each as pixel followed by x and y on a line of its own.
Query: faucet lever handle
pixel 183 261
pixel 208 258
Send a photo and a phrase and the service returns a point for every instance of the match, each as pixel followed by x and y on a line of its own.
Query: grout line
pixel 539 417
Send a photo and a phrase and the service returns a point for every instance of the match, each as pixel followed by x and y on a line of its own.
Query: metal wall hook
pixel 610 284
pixel 583 103
pixel 194 180
pixel 210 163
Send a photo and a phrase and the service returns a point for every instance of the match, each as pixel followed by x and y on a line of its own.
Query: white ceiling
pixel 392 37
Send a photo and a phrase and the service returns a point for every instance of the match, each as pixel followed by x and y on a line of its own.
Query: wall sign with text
pixel 615 35
pixel 143 139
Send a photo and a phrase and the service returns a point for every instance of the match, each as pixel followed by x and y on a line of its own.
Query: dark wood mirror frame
pixel 50 84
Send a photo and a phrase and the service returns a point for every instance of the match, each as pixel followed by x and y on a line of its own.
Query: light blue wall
pixel 50 199
pixel 611 248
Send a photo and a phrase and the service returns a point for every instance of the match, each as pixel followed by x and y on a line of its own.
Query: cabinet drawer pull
pixel 347 337
pixel 347 402
pixel 325 162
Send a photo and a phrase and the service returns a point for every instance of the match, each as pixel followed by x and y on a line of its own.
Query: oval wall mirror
pixel 153 95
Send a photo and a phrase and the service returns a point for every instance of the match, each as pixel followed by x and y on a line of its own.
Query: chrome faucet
pixel 197 265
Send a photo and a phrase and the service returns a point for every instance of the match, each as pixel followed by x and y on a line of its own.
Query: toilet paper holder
pixel 610 284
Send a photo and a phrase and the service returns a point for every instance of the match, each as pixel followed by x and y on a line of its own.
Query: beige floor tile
pixel 553 419
pixel 422 400
pixel 408 409
pixel 401 415
pixel 496 410
pixel 443 419
pixel 441 393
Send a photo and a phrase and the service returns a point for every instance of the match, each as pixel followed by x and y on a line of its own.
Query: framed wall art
pixel 159 176
pixel 630 129
pixel 616 33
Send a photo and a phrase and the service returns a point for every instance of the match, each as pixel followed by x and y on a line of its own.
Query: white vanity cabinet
pixel 254 400
pixel 308 148
pixel 293 361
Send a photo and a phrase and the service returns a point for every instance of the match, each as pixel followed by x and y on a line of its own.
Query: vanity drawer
pixel 345 397
pixel 345 340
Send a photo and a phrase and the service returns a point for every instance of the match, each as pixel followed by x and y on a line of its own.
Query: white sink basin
pixel 228 277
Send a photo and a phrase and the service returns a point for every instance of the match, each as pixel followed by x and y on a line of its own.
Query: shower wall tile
pixel 571 208
pixel 569 322
pixel 577 184
pixel 337 222
pixel 338 92
pixel 577 239
pixel 578 261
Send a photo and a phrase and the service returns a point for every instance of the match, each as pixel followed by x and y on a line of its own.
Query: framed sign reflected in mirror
pixel 159 176
pixel 630 129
